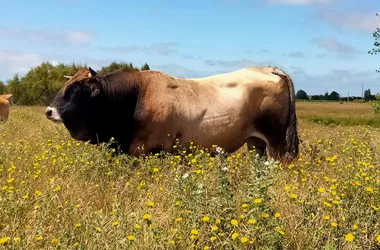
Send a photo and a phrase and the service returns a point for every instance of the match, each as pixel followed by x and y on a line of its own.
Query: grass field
pixel 338 114
pixel 57 193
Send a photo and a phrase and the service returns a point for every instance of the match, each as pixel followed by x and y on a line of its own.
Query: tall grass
pixel 57 193
pixel 345 114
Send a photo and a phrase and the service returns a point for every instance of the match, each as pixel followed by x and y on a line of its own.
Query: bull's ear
pixel 92 72
pixel 95 89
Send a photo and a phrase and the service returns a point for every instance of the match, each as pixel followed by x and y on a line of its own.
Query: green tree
pixel 115 65
pixel 2 88
pixel 368 96
pixel 376 44
pixel 41 83
pixel 302 95
pixel 334 96
pixel 14 87
pixel 145 67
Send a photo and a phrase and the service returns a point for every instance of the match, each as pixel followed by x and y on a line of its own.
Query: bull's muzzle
pixel 53 115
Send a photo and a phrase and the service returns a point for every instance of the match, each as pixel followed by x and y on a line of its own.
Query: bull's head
pixel 71 106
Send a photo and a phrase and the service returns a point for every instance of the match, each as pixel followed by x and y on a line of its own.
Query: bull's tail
pixel 291 147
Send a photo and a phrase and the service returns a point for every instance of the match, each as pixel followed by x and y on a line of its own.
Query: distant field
pixel 58 193
pixel 338 114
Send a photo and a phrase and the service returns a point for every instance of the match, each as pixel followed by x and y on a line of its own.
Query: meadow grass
pixel 335 113
pixel 57 193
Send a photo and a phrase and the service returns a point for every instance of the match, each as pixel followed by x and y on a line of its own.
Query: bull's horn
pixel 68 77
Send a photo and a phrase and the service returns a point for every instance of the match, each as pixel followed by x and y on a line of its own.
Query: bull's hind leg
pixel 258 145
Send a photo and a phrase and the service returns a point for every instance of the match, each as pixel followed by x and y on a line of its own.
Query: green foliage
pixel 376 107
pixel 302 95
pixel 368 96
pixel 14 87
pixel 2 88
pixel 115 65
pixel 334 96
pixel 145 67
pixel 376 44
pixel 41 84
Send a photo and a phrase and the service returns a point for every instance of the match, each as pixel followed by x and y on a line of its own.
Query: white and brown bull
pixel 139 109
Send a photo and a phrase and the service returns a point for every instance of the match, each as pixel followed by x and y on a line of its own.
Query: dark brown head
pixel 71 105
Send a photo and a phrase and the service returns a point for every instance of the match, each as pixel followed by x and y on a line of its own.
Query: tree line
pixel 40 84
pixel 335 96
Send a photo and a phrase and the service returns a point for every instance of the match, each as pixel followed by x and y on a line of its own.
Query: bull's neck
pixel 114 111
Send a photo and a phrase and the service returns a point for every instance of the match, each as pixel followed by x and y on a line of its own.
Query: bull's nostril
pixel 49 112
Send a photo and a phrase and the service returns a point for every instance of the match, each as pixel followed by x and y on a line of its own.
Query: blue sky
pixel 322 44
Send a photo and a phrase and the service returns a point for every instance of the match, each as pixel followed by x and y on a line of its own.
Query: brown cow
pixel 140 109
pixel 5 100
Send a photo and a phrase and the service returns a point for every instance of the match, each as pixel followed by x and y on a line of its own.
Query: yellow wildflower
pixel 147 216
pixel 4 240
pixel 258 201
pixel 251 221
pixel 265 215
pixel 234 235
pixel 178 219
pixel 244 239
pixel 234 222
pixel 321 190
pixel 150 203
pixel 349 237
pixel 205 218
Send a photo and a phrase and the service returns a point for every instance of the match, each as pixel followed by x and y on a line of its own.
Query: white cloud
pixel 366 22
pixel 333 45
pixel 296 54
pixel 78 37
pixel 17 62
pixel 38 36
pixel 162 49
pixel 339 80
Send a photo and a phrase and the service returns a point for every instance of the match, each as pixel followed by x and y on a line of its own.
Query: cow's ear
pixel 92 72
pixel 95 89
